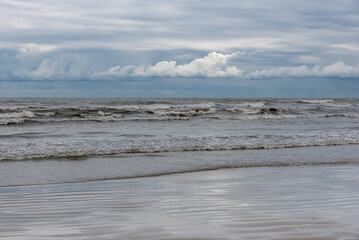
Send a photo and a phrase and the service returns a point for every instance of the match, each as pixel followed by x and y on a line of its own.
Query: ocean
pixel 57 153
pixel 119 130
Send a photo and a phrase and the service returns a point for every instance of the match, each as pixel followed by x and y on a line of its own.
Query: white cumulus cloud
pixel 337 69
pixel 216 65
pixel 212 65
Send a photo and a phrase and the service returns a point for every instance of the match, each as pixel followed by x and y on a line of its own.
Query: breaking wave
pixel 21 112
pixel 185 112
pixel 164 115
pixel 316 101
pixel 292 116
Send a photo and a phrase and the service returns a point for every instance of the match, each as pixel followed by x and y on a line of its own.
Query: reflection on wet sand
pixel 307 202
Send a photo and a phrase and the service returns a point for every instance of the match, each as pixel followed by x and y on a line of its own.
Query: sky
pixel 202 48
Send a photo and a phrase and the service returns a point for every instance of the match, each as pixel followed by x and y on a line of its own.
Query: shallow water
pixel 121 166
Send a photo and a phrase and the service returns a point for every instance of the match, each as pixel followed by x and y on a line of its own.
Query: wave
pixel 102 113
pixel 199 169
pixel 27 114
pixel 250 104
pixel 11 121
pixel 172 110
pixel 100 116
pixel 131 107
pixel 328 103
pixel 15 117
pixel 252 111
pixel 156 106
pixel 286 116
pixel 316 101
pixel 179 115
pixel 223 166
pixel 22 117
pixel 75 155
pixel 185 112
pixel 168 116
pixel 21 107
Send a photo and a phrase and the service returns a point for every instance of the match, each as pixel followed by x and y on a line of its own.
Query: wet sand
pixel 306 202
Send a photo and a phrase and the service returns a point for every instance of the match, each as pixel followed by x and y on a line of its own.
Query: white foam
pixel 15 107
pixel 197 105
pixel 137 107
pixel 316 101
pixel 286 116
pixel 46 114
pixel 253 111
pixel 250 104
pixel 100 116
pixel 15 117
pixel 186 112
pixel 11 121
pixel 26 114
pixel 328 103
pixel 20 117
pixel 158 106
pixel 243 110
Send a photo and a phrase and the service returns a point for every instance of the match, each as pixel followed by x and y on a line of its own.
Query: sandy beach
pixel 307 202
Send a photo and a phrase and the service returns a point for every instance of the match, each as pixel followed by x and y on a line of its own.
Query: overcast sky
pixel 203 48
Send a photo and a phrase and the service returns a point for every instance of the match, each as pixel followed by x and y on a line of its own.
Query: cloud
pixel 67 67
pixel 216 65
pixel 212 65
pixel 77 66
pixel 337 69
pixel 171 25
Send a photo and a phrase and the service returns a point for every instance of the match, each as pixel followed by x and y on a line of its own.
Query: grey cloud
pixel 209 25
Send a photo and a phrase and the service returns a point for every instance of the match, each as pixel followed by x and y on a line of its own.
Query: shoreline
pixel 128 166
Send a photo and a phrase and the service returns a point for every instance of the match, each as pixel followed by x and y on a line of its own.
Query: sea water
pixel 72 138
